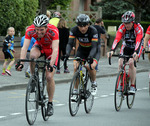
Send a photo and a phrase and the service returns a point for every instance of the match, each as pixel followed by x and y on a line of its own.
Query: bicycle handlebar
pixel 144 53
pixel 47 62
pixel 121 56
pixel 81 60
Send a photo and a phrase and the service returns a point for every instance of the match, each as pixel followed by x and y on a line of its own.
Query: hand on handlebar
pixel 109 54
pixel 135 56
pixel 19 66
pixel 90 60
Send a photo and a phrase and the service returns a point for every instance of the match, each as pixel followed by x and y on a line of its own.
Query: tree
pixel 43 5
pixel 17 13
pixel 64 4
pixel 114 9
pixel 139 5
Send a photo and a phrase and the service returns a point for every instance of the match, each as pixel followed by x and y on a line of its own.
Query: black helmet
pixel 41 20
pixel 128 17
pixel 83 20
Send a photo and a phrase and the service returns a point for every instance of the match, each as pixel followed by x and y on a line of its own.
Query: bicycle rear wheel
pixel 74 105
pixel 31 101
pixel 118 97
pixel 45 97
pixel 89 98
pixel 130 98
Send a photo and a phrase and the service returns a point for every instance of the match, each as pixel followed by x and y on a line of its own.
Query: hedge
pixel 118 22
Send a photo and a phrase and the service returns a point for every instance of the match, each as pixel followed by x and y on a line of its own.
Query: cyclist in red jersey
pixel 132 35
pixel 47 42
pixel 147 40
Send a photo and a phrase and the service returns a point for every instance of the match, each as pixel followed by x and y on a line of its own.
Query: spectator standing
pixel 48 14
pixel 63 40
pixel 8 50
pixel 55 20
pixel 103 38
pixel 26 64
pixel 100 29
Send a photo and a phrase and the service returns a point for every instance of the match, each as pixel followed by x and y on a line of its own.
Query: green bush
pixel 118 22
pixel 17 13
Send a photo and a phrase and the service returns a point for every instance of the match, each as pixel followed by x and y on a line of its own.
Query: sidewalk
pixel 18 80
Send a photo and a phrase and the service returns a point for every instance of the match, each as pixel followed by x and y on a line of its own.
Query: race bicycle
pixel 36 92
pixel 81 80
pixel 123 83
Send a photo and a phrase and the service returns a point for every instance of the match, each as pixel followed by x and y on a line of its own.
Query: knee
pixel 131 63
pixel 49 78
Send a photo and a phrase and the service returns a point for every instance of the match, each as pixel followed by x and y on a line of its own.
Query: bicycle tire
pixel 31 102
pixel 118 96
pixel 130 98
pixel 74 105
pixel 45 97
pixel 89 100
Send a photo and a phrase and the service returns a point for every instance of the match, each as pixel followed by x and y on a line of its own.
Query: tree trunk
pixel 137 14
pixel 43 7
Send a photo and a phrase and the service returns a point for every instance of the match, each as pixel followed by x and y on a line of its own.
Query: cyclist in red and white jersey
pixel 147 41
pixel 132 35
pixel 47 43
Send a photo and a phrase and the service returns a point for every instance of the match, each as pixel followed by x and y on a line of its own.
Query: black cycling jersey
pixel 88 42
pixel 7 40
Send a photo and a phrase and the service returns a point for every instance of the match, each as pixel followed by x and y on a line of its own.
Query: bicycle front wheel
pixel 74 104
pixel 44 97
pixel 89 98
pixel 31 101
pixel 118 97
pixel 130 98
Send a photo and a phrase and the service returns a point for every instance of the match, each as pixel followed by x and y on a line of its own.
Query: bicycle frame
pixel 124 76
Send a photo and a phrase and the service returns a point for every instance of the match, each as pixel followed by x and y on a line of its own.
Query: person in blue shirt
pixel 8 50
pixel 26 65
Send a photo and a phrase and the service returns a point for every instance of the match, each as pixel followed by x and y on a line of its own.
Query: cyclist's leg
pixel 34 54
pixel 132 71
pixel 76 65
pixel 50 84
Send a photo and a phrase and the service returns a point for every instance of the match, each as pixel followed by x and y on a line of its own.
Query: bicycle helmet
pixel 56 14
pixel 41 21
pixel 128 17
pixel 82 20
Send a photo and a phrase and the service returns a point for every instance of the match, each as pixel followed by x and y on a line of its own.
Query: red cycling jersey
pixel 135 36
pixel 44 43
pixel 148 32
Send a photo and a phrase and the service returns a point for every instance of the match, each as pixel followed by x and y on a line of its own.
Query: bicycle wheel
pixel 130 98
pixel 89 98
pixel 45 97
pixel 74 105
pixel 118 97
pixel 31 101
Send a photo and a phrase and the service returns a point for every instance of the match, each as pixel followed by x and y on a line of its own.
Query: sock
pixel 9 67
pixel 50 103
pixel 4 70
pixel 132 85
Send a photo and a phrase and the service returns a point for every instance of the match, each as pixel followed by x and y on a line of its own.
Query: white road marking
pixel 102 96
pixel 15 113
pixel 2 117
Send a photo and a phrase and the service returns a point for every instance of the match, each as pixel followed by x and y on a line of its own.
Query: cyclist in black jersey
pixel 88 46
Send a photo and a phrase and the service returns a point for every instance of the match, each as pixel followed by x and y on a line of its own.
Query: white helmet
pixel 40 21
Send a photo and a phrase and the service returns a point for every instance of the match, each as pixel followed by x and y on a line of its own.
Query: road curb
pixel 24 85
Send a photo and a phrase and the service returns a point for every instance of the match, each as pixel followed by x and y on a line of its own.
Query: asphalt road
pixel 12 112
